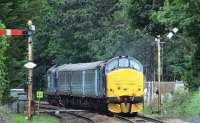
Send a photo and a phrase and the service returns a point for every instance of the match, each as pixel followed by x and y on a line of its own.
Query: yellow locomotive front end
pixel 124 85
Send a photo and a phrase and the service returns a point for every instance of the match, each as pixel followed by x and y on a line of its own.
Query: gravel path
pixel 175 121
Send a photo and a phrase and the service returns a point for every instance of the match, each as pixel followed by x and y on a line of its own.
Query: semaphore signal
pixel 30 29
pixel 16 32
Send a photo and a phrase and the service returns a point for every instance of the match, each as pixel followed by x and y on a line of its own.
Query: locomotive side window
pixel 76 77
pixel 112 65
pixel 123 62
pixel 135 65
pixel 90 76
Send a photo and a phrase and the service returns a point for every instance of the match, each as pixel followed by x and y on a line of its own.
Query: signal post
pixel 30 74
pixel 159 73
pixel 158 41
pixel 30 65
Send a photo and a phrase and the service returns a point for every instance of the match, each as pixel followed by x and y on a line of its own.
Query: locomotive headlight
pixel 111 90
pixel 125 88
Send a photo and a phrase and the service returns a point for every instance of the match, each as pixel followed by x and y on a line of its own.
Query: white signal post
pixel 159 93
pixel 157 39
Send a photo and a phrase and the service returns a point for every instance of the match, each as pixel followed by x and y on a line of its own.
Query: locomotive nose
pixel 124 82
pixel 122 90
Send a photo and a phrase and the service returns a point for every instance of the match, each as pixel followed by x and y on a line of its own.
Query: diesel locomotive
pixel 115 85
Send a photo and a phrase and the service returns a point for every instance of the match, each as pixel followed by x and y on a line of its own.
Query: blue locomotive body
pixel 81 80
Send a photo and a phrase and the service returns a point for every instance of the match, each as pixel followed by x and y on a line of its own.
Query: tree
pixel 184 15
pixel 74 25
pixel 3 69
pixel 15 14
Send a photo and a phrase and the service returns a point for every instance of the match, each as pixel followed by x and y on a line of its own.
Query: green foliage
pixel 177 56
pixel 15 14
pixel 184 15
pixel 183 104
pixel 85 21
pixel 140 12
pixel 3 70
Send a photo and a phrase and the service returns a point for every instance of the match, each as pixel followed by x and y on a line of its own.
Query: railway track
pixel 65 117
pixel 149 118
pixel 139 119
pixel 65 114
pixel 124 119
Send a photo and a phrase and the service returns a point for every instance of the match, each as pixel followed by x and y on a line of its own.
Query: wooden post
pixel 159 90
pixel 39 106
pixel 30 74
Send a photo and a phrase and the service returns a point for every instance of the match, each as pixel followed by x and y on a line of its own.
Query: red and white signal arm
pixel 11 32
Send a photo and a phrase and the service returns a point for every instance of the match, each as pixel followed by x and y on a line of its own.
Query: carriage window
pixel 135 65
pixel 123 62
pixel 112 65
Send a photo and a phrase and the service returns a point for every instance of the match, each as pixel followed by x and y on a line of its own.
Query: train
pixel 115 85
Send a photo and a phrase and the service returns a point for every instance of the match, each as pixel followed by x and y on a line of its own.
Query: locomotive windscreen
pixel 123 62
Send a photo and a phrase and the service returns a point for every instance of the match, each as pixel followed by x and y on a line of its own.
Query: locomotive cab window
pixel 123 62
pixel 112 65
pixel 136 65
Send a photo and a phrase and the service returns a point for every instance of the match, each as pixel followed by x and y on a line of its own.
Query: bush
pixel 3 72
pixel 183 103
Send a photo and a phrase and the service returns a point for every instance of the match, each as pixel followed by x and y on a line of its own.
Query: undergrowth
pixel 183 103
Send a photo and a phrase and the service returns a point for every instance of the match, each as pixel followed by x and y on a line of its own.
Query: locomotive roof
pixel 78 66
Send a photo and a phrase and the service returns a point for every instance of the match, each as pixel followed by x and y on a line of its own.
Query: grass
pixel 147 109
pixel 20 118
pixel 182 103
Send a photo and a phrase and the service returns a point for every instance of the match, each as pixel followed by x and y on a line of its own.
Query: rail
pixel 149 118
pixel 62 112
pixel 125 119
pixel 63 115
